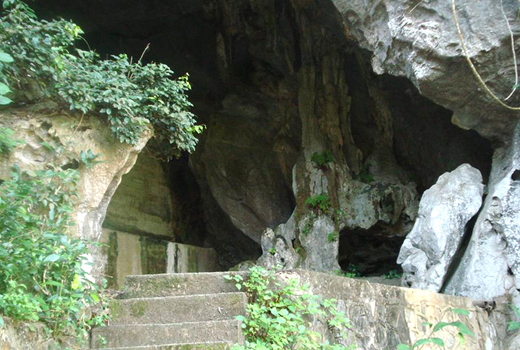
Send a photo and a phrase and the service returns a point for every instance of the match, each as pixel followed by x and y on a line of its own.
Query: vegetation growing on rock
pixel 129 95
pixel 43 272
pixel 279 314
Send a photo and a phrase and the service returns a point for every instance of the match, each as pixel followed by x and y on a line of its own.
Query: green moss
pixel 138 308
pixel 115 309
pixel 111 269
pixel 154 255
pixel 192 260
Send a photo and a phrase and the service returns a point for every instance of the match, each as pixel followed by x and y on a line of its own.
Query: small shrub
pixel 514 325
pixel 7 142
pixel 393 274
pixel 321 202
pixel 351 271
pixel 322 159
pixel 333 236
pixel 88 158
pixel 462 330
pixel 42 270
pixel 342 273
pixel 278 314
pixel 365 176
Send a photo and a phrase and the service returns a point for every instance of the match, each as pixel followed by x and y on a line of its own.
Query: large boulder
pixel 491 264
pixel 444 212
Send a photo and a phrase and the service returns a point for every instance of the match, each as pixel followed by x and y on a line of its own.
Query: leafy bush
pixel 4 89
pixel 320 201
pixel 322 159
pixel 393 274
pixel 514 325
pixel 462 330
pixel 351 271
pixel 333 236
pixel 126 94
pixel 7 142
pixel 42 276
pixel 279 314
pixel 365 176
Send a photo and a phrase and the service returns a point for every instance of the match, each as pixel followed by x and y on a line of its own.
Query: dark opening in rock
pixel 372 252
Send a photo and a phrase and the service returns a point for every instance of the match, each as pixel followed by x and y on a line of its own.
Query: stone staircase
pixel 174 311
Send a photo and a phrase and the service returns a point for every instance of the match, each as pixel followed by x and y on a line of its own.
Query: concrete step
pixel 184 346
pixel 227 331
pixel 188 308
pixel 147 286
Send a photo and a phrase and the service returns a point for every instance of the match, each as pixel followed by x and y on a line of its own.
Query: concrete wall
pixel 384 316
pixel 142 204
pixel 130 254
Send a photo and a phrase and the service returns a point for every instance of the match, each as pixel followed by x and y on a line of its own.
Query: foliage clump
pixel 43 272
pixel 461 328
pixel 280 314
pixel 320 201
pixel 7 142
pixel 128 95
pixel 514 325
pixel 322 159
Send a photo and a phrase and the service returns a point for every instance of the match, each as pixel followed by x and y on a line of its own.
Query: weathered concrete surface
pixel 185 346
pixel 383 316
pixel 142 203
pixel 129 254
pixel 418 40
pixel 163 285
pixel 56 140
pixel 490 266
pixel 444 212
pixel 157 334
pixel 178 309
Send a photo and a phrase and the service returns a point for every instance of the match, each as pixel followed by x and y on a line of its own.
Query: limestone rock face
pixel 418 40
pixel 279 82
pixel 491 264
pixel 58 139
pixel 444 212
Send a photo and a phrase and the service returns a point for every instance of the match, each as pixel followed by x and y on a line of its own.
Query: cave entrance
pixel 154 223
pixel 371 252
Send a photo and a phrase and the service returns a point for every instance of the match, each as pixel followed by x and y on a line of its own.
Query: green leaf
pixel 4 100
pixel 403 347
pixel 513 326
pixel 1 322
pixel 52 258
pixel 239 286
pixel 421 342
pixel 5 57
pixel 94 297
pixel 76 282
pixel 463 328
pixel 440 326
pixel 437 341
pixel 461 312
pixel 4 89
